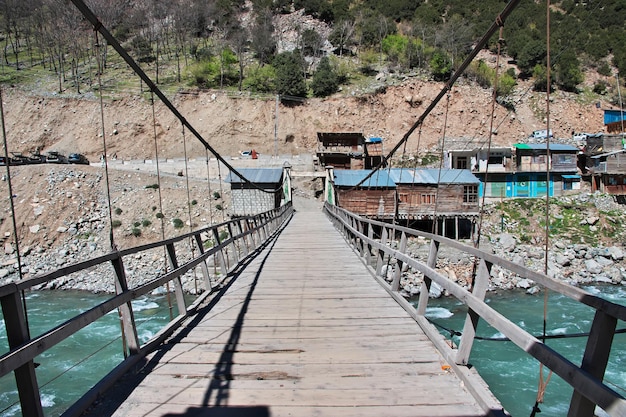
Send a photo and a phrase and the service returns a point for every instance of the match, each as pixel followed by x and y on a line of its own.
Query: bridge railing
pixel 382 244
pixel 229 243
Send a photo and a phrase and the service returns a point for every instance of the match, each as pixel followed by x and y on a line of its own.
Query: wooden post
pixel 178 286
pixel 481 285
pixel 17 333
pixel 595 360
pixel 206 277
pixel 370 236
pixel 425 288
pixel 220 253
pixel 397 273
pixel 234 244
pixel 244 237
pixel 381 254
pixel 126 310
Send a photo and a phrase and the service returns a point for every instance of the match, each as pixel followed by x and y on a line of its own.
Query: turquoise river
pixel 65 371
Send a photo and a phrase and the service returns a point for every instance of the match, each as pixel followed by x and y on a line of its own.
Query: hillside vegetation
pixel 306 47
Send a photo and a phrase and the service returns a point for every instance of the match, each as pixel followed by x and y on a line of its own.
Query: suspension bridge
pixel 299 320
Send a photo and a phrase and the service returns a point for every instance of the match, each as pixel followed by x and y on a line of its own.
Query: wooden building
pixel 374 197
pixel 521 171
pixel 262 191
pixel 419 196
pixel 605 161
pixel 348 151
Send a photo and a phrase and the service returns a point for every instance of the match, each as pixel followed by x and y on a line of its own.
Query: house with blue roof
pixel 448 197
pixel 257 190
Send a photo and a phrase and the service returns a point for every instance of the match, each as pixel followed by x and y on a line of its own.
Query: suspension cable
pixel 191 243
pixel 543 383
pixel 443 145
pixel 162 215
pixel 104 143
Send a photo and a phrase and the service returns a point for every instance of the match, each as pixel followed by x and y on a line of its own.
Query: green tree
pixel 325 81
pixel 394 46
pixel 440 66
pixel 261 79
pixel 289 75
pixel 567 71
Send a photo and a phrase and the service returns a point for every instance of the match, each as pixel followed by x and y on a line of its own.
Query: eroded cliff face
pixel 232 123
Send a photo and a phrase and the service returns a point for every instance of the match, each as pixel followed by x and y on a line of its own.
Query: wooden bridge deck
pixel 305 330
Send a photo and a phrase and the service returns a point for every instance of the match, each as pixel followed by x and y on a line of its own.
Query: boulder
pixel 507 242
pixel 592 266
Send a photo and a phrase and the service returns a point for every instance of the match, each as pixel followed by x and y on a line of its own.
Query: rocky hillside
pixel 232 123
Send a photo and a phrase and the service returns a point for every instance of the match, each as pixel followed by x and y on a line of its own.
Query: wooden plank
pixel 304 330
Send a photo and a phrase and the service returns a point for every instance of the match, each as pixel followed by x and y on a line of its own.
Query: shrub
pixel 194 202
pixel 216 195
pixel 219 207
pixel 159 215
pixel 153 186
pixel 223 235
pixel 154 208
pixel 116 223
pixel 146 222
pixel 118 211
pixel 136 232
pixel 178 223
pixel 136 224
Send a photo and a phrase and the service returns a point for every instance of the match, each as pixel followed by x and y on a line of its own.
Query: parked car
pixel 54 157
pixel 77 158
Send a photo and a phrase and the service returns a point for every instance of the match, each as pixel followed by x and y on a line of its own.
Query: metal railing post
pixel 17 334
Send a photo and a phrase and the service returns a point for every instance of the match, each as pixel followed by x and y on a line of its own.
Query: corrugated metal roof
pixel 350 178
pixel 542 147
pixel 433 176
pixel 256 175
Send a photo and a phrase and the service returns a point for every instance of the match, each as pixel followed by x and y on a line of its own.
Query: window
pixel 461 162
pixel 470 193
pixel 404 197
pixel 428 198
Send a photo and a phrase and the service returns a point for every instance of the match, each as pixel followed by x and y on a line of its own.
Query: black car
pixel 77 158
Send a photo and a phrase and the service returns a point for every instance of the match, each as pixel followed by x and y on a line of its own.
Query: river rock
pixel 435 290
pixel 603 261
pixel 507 242
pixel 616 253
pixel 562 259
pixel 592 266
pixel 34 228
pixel 524 283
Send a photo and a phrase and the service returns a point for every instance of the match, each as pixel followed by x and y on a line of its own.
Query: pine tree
pixel 325 81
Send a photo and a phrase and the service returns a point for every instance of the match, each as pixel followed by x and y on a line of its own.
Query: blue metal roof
pixel 542 147
pixel 350 178
pixel 433 176
pixel 256 175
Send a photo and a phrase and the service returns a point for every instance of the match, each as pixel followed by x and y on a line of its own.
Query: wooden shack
pixel 374 198
pixel 261 192
pixel 422 193
pixel 341 150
